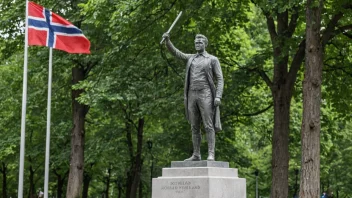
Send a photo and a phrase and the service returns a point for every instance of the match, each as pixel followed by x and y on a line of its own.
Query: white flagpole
pixel 24 107
pixel 47 150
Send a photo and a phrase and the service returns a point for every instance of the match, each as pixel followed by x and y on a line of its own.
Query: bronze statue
pixel 202 93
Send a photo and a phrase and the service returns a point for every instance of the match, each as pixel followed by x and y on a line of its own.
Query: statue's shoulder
pixel 210 56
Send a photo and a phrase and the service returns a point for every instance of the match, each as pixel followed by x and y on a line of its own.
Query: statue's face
pixel 199 45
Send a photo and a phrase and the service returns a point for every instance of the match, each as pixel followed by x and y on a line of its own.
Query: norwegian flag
pixel 46 28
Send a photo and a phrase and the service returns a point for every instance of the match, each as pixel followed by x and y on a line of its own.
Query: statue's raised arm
pixel 176 52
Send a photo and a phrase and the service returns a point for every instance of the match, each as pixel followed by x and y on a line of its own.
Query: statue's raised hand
pixel 166 36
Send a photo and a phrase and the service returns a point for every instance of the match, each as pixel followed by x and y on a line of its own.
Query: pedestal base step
pixel 205 180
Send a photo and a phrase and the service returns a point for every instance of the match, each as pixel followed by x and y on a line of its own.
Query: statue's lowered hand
pixel 217 102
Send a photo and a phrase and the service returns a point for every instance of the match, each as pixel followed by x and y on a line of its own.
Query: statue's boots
pixel 196 139
pixel 211 144
pixel 194 158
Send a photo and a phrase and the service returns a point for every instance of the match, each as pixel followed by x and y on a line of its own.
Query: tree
pixel 310 171
pixel 131 91
pixel 288 46
pixel 9 106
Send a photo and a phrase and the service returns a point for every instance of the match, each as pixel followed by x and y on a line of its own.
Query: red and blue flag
pixel 46 28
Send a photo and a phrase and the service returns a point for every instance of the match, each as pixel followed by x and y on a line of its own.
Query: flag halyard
pixel 46 28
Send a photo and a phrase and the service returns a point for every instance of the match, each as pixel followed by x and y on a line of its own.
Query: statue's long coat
pixel 212 69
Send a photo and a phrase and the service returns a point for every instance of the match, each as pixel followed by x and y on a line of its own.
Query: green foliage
pixel 134 77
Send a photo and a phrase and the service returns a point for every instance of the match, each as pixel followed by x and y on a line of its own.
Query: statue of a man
pixel 202 93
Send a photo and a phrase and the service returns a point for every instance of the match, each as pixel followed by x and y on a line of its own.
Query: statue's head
pixel 200 42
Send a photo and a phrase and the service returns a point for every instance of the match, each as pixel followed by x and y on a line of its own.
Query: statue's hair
pixel 201 36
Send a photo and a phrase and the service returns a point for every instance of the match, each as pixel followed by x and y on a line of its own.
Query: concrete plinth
pixel 199 179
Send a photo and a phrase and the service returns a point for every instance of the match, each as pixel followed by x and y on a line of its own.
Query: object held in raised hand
pixel 173 24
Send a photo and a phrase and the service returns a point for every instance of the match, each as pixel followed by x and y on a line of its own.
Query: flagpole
pixel 47 150
pixel 24 107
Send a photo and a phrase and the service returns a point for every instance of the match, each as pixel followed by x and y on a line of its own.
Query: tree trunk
pixel 138 162
pixel 280 153
pixel 32 192
pixel 60 183
pixel 129 183
pixel 282 93
pixel 310 134
pixel 130 175
pixel 75 179
pixel 281 88
pixel 119 187
pixel 140 193
pixel 86 180
pixel 108 178
pixel 3 170
pixel 140 188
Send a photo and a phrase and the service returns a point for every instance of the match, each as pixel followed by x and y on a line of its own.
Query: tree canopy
pixel 129 92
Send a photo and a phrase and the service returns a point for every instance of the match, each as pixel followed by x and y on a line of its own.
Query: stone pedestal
pixel 199 179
